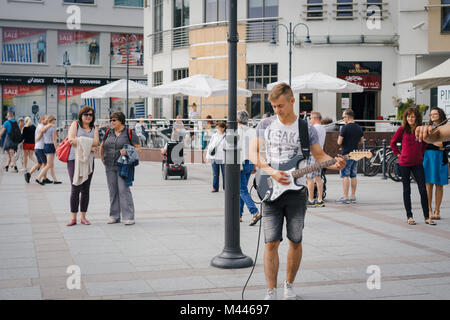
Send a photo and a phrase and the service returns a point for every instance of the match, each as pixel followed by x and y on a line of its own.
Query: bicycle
pixel 374 165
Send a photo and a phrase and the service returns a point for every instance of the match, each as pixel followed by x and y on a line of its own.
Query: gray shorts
pixel 292 206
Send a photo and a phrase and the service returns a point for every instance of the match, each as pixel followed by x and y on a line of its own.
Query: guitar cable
pixel 259 236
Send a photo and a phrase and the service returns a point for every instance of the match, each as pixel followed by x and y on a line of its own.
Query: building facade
pixel 370 42
pixel 36 37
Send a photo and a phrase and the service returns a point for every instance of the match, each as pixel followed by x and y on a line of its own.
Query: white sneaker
pixel 271 294
pixel 289 293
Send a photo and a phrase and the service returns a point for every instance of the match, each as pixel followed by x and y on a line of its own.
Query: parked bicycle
pixel 374 165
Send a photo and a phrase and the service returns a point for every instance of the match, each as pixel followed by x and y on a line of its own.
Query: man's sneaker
pixel 15 169
pixel 6 168
pixel 47 181
pixel 271 294
pixel 320 203
pixel 27 177
pixel 342 200
pixel 289 293
pixel 353 199
pixel 311 204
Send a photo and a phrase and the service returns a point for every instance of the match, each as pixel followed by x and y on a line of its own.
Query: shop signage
pixel 443 97
pixel 20 80
pixel 365 74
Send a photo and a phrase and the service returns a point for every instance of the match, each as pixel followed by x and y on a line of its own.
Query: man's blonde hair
pixel 317 114
pixel 282 89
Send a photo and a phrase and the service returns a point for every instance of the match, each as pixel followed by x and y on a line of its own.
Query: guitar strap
pixel 304 137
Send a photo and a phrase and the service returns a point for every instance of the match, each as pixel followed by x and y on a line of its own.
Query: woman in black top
pixel 28 142
pixel 435 163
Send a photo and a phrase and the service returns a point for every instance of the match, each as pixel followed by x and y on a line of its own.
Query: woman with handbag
pixel 435 163
pixel 410 161
pixel 216 154
pixel 82 134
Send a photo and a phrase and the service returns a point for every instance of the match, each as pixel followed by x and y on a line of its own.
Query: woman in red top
pixel 410 161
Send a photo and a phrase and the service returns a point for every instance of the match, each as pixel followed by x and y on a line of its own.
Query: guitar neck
pixel 318 166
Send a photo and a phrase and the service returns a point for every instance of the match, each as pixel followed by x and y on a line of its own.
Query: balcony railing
pixel 258 29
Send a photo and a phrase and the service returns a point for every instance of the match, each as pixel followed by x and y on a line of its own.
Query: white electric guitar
pixel 270 190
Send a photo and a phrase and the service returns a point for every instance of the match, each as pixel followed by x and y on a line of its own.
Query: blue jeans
pixel 246 172
pixel 350 170
pixel 216 167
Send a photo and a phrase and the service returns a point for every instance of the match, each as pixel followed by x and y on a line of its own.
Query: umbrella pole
pixel 232 256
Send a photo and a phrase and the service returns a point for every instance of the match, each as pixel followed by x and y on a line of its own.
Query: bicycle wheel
pixel 372 166
pixel 392 169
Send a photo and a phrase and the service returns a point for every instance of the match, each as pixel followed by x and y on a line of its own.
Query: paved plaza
pixel 180 228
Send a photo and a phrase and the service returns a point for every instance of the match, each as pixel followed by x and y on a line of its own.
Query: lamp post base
pixel 231 260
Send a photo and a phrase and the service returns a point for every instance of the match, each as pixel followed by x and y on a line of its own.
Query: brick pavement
pixel 180 228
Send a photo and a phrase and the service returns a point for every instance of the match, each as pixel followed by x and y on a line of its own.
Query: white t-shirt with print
pixel 282 142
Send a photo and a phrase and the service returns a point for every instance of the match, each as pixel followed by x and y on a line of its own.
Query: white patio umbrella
pixel 316 82
pixel 319 82
pixel 437 76
pixel 200 85
pixel 118 89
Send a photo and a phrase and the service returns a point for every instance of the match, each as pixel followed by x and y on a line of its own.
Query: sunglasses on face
pixel 113 120
pixel 88 114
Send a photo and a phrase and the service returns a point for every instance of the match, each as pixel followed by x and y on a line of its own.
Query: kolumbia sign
pixel 366 74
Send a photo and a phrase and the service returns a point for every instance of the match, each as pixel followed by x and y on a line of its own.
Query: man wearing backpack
pixel 13 138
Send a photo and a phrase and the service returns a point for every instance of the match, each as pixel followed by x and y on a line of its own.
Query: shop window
pixel 24 45
pixel 119 49
pixel 24 101
pixel 306 103
pixel 83 48
pixel 74 102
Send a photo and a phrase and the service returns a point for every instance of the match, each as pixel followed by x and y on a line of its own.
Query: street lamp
pixel 127 39
pixel 290 40
pixel 66 64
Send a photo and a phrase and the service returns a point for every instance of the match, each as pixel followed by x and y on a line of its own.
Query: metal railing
pixel 198 132
pixel 257 29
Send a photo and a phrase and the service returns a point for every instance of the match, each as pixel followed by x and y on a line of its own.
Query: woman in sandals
pixel 435 163
pixel 410 161
pixel 49 150
pixel 81 129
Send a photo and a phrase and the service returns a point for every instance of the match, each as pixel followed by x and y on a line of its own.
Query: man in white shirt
pixel 316 119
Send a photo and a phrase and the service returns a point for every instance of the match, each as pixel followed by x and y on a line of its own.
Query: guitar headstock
pixel 359 154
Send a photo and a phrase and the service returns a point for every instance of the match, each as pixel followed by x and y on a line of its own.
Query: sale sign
pixel 15 91
pixel 71 91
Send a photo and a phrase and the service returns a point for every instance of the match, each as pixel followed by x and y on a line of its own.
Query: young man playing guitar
pixel 281 136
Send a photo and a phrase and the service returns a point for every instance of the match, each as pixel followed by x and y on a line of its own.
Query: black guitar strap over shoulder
pixel 304 137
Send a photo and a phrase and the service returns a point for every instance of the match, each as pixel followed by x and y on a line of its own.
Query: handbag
pixel 213 151
pixel 63 150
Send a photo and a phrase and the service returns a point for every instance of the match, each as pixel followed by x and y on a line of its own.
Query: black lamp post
pixel 66 64
pixel 232 256
pixel 290 40
pixel 127 39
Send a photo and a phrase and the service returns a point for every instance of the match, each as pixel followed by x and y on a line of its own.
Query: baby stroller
pixel 173 159
pixel 324 180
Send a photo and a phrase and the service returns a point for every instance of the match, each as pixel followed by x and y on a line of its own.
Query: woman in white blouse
pixel 216 154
